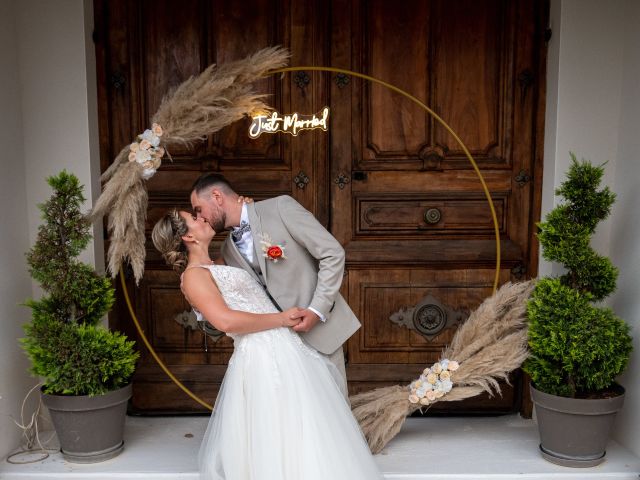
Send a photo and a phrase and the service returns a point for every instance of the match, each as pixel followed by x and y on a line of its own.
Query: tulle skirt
pixel 280 415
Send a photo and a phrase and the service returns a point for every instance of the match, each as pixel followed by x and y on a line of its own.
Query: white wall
pixel 583 96
pixel 48 122
pixel 593 105
pixel 59 105
pixel 625 229
pixel 15 284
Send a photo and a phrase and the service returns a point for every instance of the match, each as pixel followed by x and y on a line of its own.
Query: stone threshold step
pixel 452 448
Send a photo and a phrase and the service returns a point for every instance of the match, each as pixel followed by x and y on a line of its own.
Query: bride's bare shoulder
pixel 194 275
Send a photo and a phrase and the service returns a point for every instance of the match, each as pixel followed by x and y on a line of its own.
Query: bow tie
pixel 237 234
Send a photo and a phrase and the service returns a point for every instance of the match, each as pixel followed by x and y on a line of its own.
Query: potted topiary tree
pixel 576 347
pixel 86 368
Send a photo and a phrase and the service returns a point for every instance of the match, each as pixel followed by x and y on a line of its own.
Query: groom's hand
pixel 308 320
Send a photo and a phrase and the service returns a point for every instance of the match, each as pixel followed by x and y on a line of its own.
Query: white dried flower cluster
pixel 147 151
pixel 434 382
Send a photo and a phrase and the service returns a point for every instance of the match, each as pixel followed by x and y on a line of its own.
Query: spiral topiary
pixel 64 342
pixel 576 347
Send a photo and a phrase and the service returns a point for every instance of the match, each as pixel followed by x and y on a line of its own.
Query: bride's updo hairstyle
pixel 167 238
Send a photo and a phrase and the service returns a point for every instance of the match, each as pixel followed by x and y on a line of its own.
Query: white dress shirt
pixel 245 244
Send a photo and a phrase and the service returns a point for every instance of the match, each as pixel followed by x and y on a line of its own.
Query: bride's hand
pixel 244 199
pixel 287 321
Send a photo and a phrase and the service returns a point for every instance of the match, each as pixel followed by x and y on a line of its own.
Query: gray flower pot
pixel 574 432
pixel 90 429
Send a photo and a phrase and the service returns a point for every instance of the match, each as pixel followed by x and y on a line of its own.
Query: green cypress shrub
pixel 64 342
pixel 577 348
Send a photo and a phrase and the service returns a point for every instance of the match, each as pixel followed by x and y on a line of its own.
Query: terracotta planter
pixel 90 429
pixel 574 432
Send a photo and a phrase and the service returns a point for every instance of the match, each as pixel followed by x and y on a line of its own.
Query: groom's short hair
pixel 208 180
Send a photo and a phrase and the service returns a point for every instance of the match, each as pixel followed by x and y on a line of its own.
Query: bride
pixel 279 414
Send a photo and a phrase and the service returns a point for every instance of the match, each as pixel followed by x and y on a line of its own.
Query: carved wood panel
pixel 464 43
pixel 416 216
pixel 377 294
pixel 393 354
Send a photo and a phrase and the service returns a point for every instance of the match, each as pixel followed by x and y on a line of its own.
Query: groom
pixel 291 254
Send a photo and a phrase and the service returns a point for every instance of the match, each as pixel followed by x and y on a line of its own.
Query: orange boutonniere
pixel 271 251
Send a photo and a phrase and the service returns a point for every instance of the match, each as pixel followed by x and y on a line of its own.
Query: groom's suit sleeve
pixel 308 232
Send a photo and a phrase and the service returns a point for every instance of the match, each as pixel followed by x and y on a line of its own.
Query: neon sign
pixel 291 123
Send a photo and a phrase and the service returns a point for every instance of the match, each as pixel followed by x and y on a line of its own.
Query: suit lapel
pixel 256 233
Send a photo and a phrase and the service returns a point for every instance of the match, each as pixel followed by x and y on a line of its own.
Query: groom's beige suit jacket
pixel 309 276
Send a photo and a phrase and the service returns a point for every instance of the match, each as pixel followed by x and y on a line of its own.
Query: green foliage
pixel 78 359
pixel 576 347
pixel 587 205
pixel 74 286
pixel 63 341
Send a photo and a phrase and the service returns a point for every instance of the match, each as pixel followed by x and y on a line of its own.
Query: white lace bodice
pixel 242 292
pixel 239 290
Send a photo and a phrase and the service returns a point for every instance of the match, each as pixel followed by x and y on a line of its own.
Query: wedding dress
pixel 279 414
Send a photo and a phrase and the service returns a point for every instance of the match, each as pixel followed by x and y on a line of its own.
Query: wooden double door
pixel 389 182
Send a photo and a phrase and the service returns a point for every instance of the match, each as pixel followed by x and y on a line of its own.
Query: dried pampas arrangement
pixel 489 345
pixel 198 107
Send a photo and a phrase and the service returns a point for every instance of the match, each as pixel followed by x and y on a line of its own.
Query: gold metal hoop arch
pixel 395 89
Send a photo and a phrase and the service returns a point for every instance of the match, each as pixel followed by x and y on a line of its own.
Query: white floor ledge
pixel 501 448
